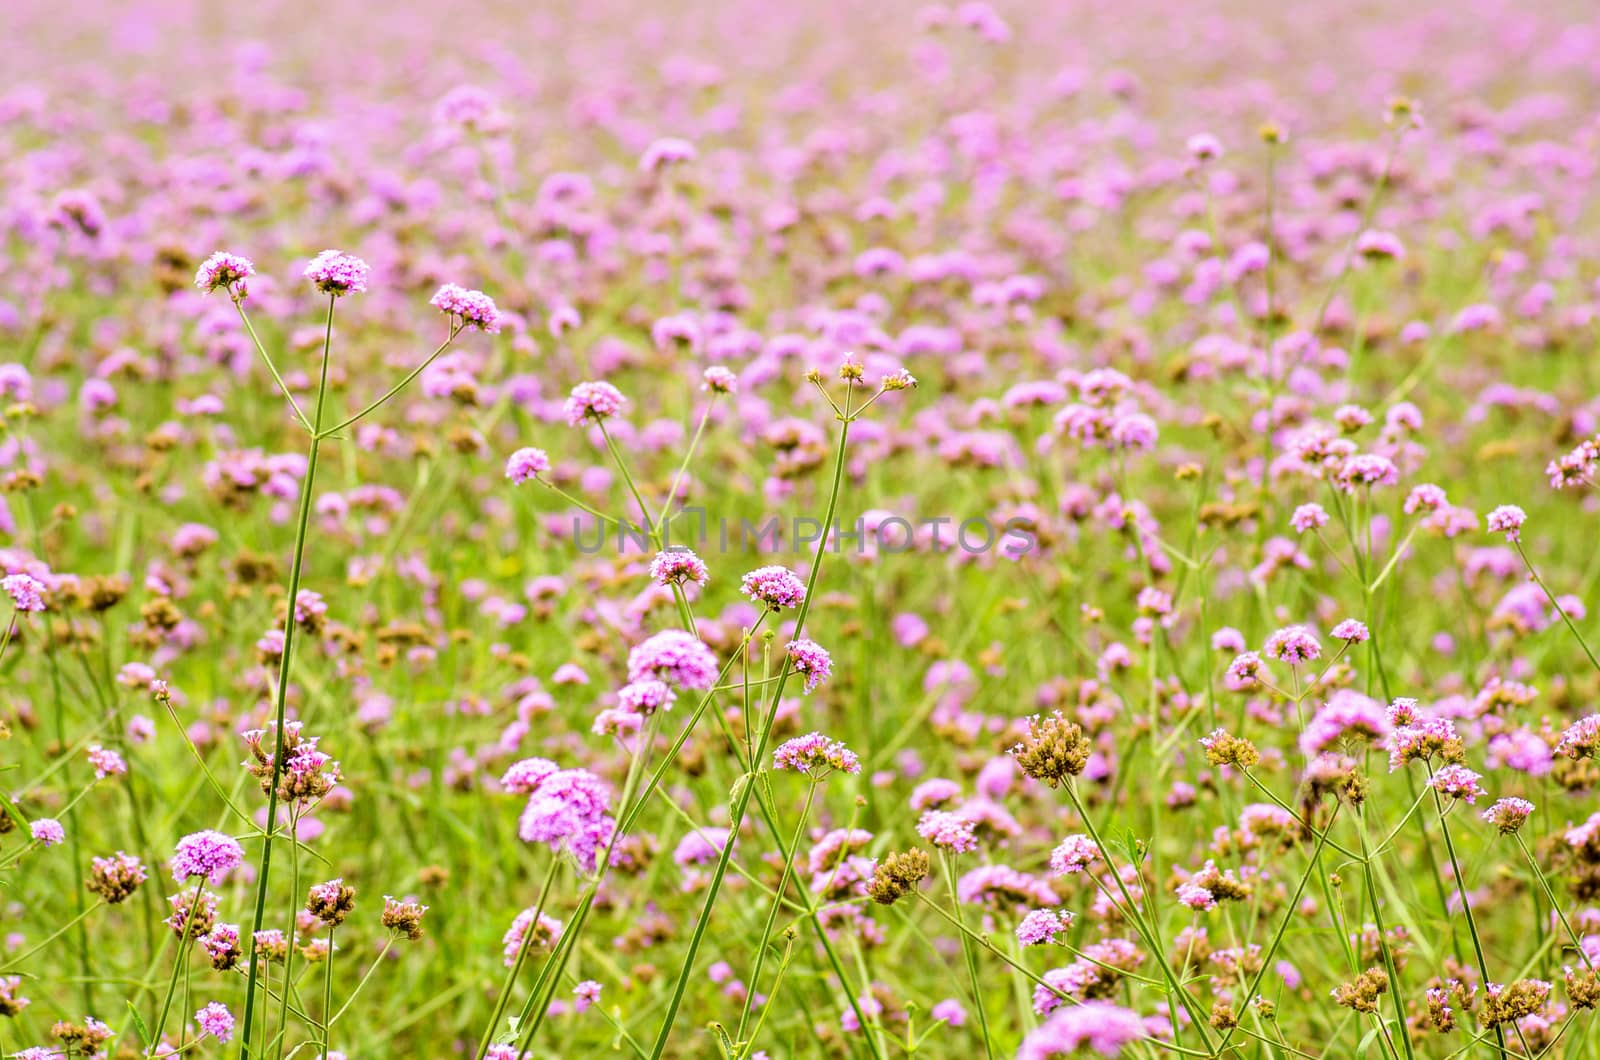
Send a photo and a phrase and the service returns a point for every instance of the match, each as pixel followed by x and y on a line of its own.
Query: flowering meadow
pixel 748 531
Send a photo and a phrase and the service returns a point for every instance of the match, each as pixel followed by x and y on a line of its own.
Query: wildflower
pixel 85 1038
pixel 106 762
pixel 811 661
pixel 1583 988
pixel 11 1002
pixel 472 308
pixel 948 831
pixel 1203 147
pixel 897 875
pixel 1581 739
pixel 1097 1025
pixel 331 902
pixel 1508 815
pixel 674 656
pixel 1458 782
pixel 215 1021
pixel 719 380
pixel 403 917
pixel 1308 517
pixel 26 591
pixel 1053 749
pixel 194 912
pixel 1351 632
pixel 228 271
pixel 587 994
pixel 1508 519
pixel 677 565
pixel 1423 740
pixel 115 878
pixel 271 944
pixel 932 794
pixel 1225 749
pixel 1041 926
pixel 208 854
pixel 221 944
pixel 544 933
pixel 1293 645
pixel 1440 1015
pixel 597 401
pixel 776 587
pixel 1507 1004
pixel 814 754
pixel 1425 498
pixel 646 696
pixel 1367 469
pixel 1378 245
pixel 1074 854
pixel 526 464
pixel 47 831
pixel 1361 995
pixel 1244 672
pixel 337 274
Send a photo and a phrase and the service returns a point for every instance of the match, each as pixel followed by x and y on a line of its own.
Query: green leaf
pixel 139 1025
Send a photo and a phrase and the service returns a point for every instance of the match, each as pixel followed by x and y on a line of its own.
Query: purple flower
pixel 948 830
pixel 592 401
pixel 1074 854
pixel 1508 519
pixel 228 271
pixel 1351 632
pixel 474 308
pixel 646 696
pixel 1508 815
pixel 776 587
pixel 47 831
pixel 337 274
pixel 677 565
pixel 1294 645
pixel 209 854
pixel 1097 1025
pixel 26 591
pixel 215 1021
pixel 674 656
pixel 814 754
pixel 812 661
pixel 1042 926
pixel 526 464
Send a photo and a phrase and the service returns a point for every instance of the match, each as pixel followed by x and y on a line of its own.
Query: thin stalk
pixel 742 799
pixel 264 871
pixel 772 914
pixel 971 958
pixel 1466 908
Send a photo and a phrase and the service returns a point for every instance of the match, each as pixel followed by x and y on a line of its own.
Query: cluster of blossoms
pixel 227 271
pixel 567 809
pixel 815 754
pixel 337 274
pixel 677 565
pixel 775 587
pixel 675 657
pixel 811 661
pixel 305 774
pixel 207 854
pixel 592 401
pixel 472 309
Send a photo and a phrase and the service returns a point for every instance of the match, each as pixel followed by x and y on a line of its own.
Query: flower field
pixel 747 531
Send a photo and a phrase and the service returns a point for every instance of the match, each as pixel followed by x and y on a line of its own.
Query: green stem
pixel 264 871
pixel 971 958
pixel 742 799
pixel 1466 907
